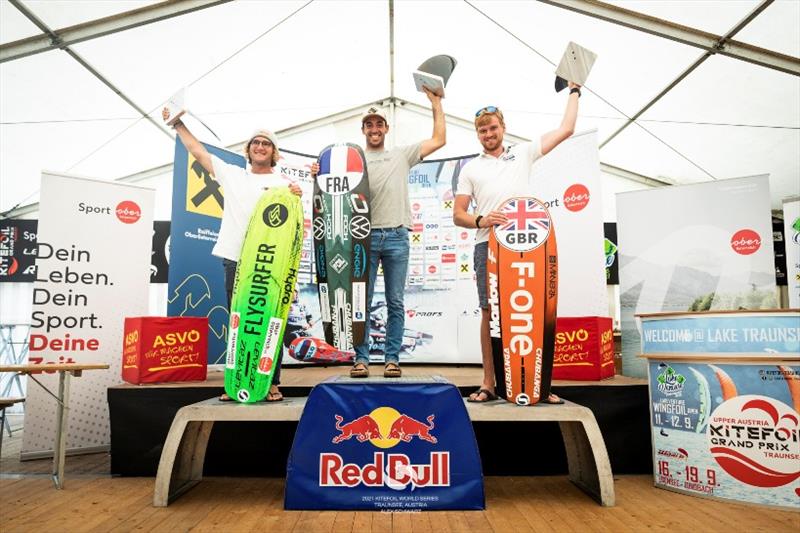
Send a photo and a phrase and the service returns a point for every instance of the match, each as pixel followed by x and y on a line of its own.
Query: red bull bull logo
pixel 384 428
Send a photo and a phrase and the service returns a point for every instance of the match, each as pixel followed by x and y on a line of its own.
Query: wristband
pixel 575 90
pixel 478 221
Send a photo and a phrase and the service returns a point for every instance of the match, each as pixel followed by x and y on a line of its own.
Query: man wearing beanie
pixel 243 188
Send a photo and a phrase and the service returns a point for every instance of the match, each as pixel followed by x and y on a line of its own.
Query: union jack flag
pixel 525 214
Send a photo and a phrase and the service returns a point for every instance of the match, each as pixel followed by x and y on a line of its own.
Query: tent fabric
pixel 281 64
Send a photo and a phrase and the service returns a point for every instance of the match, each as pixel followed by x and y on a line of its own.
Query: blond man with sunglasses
pixel 243 188
pixel 498 173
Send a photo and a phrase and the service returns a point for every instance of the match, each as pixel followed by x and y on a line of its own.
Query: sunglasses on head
pixel 487 109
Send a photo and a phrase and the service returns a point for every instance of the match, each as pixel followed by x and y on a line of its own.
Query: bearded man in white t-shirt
pixel 495 175
pixel 243 187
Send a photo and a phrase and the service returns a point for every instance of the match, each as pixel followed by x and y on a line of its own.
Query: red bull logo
pixel 384 428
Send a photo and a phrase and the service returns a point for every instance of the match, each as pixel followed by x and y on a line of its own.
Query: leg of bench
pixel 182 458
pixel 589 468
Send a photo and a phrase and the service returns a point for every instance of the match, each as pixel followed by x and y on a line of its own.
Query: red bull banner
pixel 159 349
pixel 376 446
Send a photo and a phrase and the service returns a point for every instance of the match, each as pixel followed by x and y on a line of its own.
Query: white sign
pixel 93 270
pixel 693 248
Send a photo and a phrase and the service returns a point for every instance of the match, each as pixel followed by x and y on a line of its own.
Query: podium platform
pixel 184 451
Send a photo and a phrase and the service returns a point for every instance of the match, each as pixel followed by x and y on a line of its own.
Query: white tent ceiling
pixel 279 64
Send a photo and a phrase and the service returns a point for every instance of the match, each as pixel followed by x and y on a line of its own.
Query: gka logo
pixel 275 215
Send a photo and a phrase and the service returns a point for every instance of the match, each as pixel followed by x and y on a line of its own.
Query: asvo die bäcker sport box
pixel 159 349
pixel 584 348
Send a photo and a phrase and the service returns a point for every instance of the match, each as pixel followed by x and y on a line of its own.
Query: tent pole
pixel 392 102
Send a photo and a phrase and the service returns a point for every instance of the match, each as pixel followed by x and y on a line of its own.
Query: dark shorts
pixel 479 264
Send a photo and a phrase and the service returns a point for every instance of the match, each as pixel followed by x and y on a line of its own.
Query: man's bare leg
pixel 486 355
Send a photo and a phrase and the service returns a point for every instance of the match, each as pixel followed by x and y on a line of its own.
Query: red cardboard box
pixel 584 348
pixel 157 349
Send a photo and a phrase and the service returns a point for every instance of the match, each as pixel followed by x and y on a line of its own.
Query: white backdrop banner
pixel 441 303
pixel 92 270
pixel 568 180
pixel 791 232
pixel 693 248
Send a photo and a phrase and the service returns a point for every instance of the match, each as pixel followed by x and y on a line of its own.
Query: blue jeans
pixel 388 246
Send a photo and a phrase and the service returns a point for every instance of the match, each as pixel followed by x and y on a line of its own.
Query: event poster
pixel 693 248
pixel 791 232
pixel 92 271
pixel 728 431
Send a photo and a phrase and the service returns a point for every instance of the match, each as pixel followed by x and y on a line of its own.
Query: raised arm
pixel 553 138
pixel 191 143
pixel 439 137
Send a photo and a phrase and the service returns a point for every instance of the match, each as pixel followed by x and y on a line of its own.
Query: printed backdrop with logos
pixel 92 271
pixel 791 232
pixel 693 248
pixel 441 303
pixel 727 430
pixel 18 250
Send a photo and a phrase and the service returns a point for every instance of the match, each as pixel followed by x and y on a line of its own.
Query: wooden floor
pixel 512 504
pixel 94 501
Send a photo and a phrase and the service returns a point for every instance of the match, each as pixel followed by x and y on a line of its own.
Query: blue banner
pixel 373 445
pixel 753 333
pixel 196 278
pixel 730 431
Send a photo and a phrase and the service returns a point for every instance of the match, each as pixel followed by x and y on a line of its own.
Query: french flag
pixel 340 160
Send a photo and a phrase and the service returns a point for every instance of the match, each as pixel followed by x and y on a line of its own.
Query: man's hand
pixel 314 169
pixel 494 218
pixel 573 85
pixel 165 114
pixel 295 188
pixel 432 96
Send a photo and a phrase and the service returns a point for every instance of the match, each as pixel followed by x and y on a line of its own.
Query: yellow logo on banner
pixel 204 195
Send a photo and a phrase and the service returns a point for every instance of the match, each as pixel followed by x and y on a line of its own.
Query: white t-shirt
pixel 492 180
pixel 242 190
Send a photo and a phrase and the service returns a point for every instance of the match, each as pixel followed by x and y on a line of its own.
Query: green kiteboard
pixel 262 293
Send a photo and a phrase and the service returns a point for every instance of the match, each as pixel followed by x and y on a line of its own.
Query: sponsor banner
pixel 727 431
pixel 159 349
pixel 196 278
pixel 375 446
pixel 791 232
pixel 93 266
pixel 693 248
pixel 584 348
pixel 18 250
pixel 765 333
pixel 568 182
